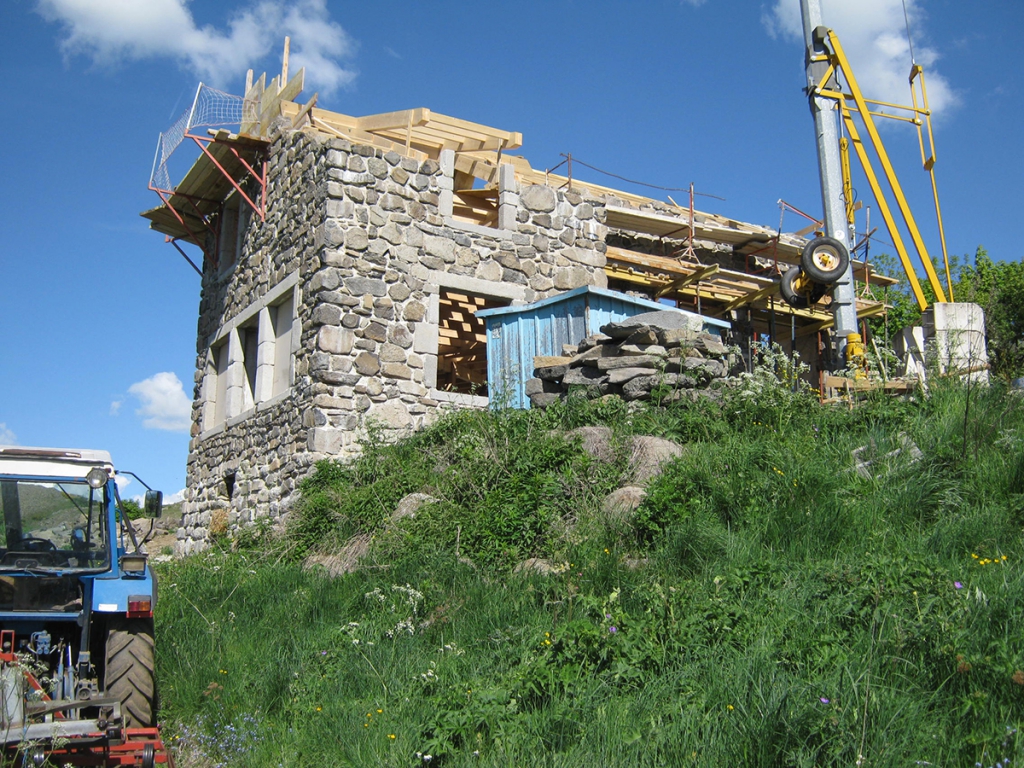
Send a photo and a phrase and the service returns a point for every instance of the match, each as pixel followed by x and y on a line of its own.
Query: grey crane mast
pixel 826 132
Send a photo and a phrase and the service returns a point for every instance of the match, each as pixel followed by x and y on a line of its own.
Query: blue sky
pixel 98 348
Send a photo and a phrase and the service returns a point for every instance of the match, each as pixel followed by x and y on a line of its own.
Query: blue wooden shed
pixel 517 334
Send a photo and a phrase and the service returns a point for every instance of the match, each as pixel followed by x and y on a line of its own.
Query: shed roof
pixel 560 298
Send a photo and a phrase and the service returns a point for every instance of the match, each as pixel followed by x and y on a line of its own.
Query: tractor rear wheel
pixel 129 673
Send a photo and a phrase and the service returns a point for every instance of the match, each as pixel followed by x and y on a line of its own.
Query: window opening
pixel 282 318
pixel 249 339
pixel 220 365
pixel 252 361
pixel 473 204
pixel 462 342
pixel 234 219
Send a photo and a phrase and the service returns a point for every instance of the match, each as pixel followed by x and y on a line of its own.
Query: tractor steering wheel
pixel 35 544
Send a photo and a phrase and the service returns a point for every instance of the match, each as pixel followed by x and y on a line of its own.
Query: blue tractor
pixel 77 682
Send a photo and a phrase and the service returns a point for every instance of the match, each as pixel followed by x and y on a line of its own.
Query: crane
pixel 831 88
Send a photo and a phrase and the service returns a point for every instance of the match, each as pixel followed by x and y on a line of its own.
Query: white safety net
pixel 210 109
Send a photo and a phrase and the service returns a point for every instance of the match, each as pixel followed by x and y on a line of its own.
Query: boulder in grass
pixel 619 505
pixel 337 564
pixel 535 565
pixel 410 505
pixel 648 455
pixel 595 442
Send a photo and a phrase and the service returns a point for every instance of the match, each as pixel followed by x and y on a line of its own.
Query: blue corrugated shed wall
pixel 515 335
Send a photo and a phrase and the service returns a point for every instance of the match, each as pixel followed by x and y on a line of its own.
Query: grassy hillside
pixel 766 605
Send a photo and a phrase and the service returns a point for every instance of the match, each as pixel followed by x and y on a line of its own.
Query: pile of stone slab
pixel 666 353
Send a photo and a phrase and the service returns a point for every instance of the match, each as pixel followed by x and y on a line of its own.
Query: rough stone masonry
pixel 325 321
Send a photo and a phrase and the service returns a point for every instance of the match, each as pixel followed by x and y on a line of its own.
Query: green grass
pixel 766 606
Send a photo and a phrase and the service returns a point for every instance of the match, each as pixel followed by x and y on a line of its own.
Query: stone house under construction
pixel 344 259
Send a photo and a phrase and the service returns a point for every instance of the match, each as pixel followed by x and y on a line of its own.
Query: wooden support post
pixel 284 61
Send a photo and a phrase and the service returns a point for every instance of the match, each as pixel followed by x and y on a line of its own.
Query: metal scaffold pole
pixel 826 130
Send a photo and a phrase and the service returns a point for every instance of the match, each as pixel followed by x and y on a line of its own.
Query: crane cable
pixel 910 40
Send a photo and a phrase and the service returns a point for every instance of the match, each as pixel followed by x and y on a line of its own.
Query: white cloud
pixel 174 498
pixel 7 437
pixel 694 3
pixel 164 403
pixel 874 37
pixel 115 407
pixel 109 31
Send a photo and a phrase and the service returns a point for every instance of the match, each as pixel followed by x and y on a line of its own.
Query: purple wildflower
pixel 823 700
pixel 613 630
pixel 958 585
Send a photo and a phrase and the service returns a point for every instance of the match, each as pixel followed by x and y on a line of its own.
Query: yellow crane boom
pixel 853 101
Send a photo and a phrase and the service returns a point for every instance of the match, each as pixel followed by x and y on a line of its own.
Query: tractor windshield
pixel 53 526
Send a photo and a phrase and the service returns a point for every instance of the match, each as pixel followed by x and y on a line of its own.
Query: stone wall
pixel 365 242
pixel 668 353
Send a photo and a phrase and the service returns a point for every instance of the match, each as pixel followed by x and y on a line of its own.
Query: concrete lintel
pixel 510 291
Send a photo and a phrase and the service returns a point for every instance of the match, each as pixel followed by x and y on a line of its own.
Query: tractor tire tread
pixel 130 669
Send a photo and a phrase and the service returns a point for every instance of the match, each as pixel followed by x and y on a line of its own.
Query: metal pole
pixel 826 131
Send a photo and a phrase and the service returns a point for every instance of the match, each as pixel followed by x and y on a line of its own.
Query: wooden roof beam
pixel 401 120
pixel 749 298
pixel 693 277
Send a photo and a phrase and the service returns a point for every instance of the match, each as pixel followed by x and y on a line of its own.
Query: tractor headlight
pixel 96 478
pixel 133 564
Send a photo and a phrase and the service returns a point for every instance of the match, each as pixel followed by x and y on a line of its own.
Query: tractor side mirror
pixel 154 505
